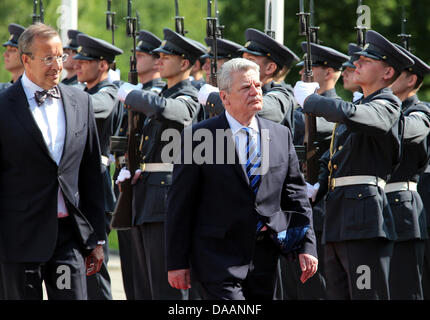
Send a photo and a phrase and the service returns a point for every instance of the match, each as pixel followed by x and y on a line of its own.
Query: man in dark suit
pixel 51 205
pixel 221 216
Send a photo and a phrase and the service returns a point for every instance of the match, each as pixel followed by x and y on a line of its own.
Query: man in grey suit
pixel 51 198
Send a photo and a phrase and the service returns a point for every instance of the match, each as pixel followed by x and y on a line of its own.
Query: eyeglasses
pixel 49 60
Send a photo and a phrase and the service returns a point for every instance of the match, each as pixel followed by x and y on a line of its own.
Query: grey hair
pixel 225 74
pixel 25 41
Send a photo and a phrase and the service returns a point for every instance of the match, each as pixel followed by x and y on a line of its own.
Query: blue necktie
pixel 253 161
pixel 253 164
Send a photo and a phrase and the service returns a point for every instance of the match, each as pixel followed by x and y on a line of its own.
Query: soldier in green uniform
pixel 11 56
pixel 69 65
pixel 348 72
pixel 401 189
pixel 149 76
pixel 271 56
pixel 358 231
pixel 175 107
pixel 326 67
pixel 93 60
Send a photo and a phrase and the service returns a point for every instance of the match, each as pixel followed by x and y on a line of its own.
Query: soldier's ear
pixel 185 64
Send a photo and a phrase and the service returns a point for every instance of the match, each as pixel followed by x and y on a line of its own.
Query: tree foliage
pixel 335 18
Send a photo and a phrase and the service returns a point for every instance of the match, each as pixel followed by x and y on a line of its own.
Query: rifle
pixel 361 30
pixel 212 33
pixel 110 20
pixel 313 29
pixel 269 31
pixel 311 166
pixel 122 216
pixel 41 16
pixel 219 28
pixel 179 21
pixel 403 36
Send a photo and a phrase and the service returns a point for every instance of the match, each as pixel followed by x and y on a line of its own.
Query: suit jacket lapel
pixel 70 108
pixel 267 150
pixel 19 105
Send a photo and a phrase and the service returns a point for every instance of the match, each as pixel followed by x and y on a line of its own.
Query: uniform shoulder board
pixel 186 98
pixel 272 93
pixel 418 113
pixel 157 90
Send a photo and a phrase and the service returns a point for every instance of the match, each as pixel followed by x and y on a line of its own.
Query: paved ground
pixel 114 268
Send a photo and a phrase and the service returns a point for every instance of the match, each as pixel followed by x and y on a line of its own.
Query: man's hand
pixel 179 279
pixel 302 90
pixel 125 89
pixel 204 93
pixel 94 261
pixel 309 265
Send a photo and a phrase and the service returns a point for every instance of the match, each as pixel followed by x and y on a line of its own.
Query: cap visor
pixel 161 50
pixel 81 57
pixel 10 43
pixel 366 54
pixel 255 53
pixel 348 65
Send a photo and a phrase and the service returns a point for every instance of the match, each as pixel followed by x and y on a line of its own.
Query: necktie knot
pixel 41 96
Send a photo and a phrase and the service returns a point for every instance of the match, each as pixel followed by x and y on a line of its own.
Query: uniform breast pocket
pixel 362 207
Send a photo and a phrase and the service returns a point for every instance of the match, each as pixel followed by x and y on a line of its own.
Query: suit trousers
pixel 149 264
pixel 291 286
pixel 126 256
pixel 406 269
pixel 64 274
pixel 260 281
pixel 358 269
pixel 426 270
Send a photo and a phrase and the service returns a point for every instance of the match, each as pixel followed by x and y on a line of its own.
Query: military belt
pixel 105 161
pixel 156 167
pixel 354 180
pixel 400 186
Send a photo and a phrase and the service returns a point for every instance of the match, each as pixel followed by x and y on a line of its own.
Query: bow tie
pixel 41 96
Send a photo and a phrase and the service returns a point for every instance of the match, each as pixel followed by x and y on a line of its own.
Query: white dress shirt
pixel 50 119
pixel 239 137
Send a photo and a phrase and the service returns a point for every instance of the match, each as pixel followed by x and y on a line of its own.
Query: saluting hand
pixel 309 265
pixel 179 279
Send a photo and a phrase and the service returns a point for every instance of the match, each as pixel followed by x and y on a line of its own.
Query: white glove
pixel 123 175
pixel 302 90
pixel 204 93
pixel 125 89
pixel 114 75
pixel 312 190
pixel 357 95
